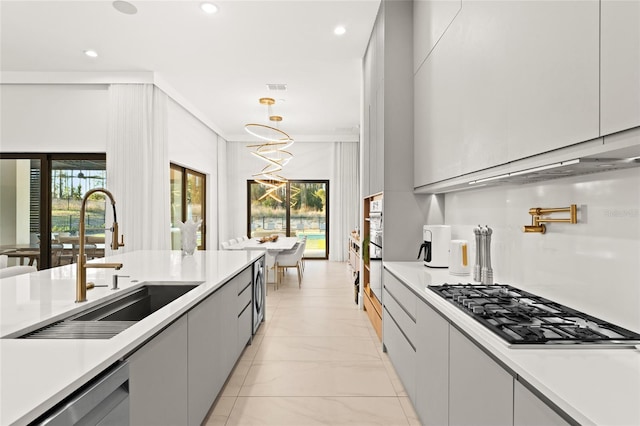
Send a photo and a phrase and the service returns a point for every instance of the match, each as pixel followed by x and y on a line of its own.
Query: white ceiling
pixel 220 63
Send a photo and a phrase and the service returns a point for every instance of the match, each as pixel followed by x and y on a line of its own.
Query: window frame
pixel 44 262
pixel 287 203
pixel 185 172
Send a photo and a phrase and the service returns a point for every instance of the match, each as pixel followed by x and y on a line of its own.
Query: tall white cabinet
pixel 387 145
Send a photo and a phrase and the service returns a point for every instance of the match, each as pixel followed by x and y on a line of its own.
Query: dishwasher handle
pixel 102 401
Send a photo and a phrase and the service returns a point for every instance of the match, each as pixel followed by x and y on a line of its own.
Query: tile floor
pixel 315 360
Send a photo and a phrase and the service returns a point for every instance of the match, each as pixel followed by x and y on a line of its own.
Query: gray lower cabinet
pixel 158 379
pixel 480 391
pixel 450 379
pixel 529 410
pixel 206 373
pixel 399 331
pixel 245 312
pixel 176 376
pixel 401 352
pixel 432 375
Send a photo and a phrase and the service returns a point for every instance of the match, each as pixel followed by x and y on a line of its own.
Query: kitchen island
pixel 35 375
pixel 574 385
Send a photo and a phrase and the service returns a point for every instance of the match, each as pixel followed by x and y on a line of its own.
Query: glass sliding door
pixel 188 201
pixel 308 207
pixel 71 178
pixel 40 207
pixel 20 207
pixel 176 183
pixel 195 202
pixel 267 211
pixel 298 208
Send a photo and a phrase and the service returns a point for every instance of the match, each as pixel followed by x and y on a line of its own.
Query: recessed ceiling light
pixel 125 7
pixel 209 7
pixel 339 30
pixel 91 53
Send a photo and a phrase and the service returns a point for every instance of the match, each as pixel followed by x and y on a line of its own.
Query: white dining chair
pixel 4 259
pixel 290 259
pixel 16 270
pixel 270 265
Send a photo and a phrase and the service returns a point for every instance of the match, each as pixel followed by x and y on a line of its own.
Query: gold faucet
pixel 537 219
pixel 81 276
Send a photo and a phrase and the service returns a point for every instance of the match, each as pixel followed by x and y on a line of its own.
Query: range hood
pixel 575 167
pixel 613 152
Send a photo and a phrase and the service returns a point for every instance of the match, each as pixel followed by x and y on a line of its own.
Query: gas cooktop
pixel 525 320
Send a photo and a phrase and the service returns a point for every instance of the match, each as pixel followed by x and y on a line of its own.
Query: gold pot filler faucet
pixel 81 276
pixel 538 220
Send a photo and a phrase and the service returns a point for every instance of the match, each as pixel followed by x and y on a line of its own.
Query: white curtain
pixel 138 165
pixel 344 198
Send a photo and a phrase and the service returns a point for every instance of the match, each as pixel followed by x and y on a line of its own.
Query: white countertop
pixel 593 386
pixel 37 374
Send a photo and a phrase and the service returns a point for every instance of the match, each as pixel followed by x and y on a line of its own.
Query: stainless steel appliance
pixel 375 247
pixel 436 240
pixel 526 320
pixel 104 401
pixel 259 293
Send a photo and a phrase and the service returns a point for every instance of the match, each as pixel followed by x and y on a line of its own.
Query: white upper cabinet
pixel 620 65
pixel 552 74
pixel 506 80
pixel 431 19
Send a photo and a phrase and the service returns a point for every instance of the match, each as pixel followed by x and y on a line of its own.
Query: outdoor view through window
pixel 297 209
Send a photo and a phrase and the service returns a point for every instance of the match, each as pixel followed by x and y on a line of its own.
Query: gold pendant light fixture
pixel 272 151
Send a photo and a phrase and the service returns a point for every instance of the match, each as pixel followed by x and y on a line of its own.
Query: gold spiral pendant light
pixel 272 151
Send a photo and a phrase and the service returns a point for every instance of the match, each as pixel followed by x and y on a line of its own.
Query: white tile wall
pixel 592 266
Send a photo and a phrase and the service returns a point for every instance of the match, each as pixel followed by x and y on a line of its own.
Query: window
pixel 41 196
pixel 299 208
pixel 188 201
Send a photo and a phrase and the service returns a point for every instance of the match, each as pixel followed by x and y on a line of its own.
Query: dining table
pixel 22 252
pixel 271 247
pixel 282 243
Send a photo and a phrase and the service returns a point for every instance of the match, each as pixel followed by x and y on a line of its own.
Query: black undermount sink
pixel 106 320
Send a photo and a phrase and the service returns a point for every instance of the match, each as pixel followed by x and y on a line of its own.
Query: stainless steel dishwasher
pixel 103 401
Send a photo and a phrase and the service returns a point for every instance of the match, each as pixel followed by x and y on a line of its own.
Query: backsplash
pixel 592 266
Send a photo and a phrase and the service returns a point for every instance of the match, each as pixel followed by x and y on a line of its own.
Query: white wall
pixel 195 146
pixel 591 266
pixel 53 118
pixel 312 160
pixel 74 118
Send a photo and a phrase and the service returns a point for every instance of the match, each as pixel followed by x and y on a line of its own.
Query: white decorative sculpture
pixel 188 235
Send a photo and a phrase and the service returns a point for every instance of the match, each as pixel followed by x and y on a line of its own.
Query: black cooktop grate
pixel 523 318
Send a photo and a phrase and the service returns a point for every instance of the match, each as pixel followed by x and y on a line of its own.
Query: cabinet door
pixel 529 410
pixel 245 313
pixel 496 88
pixel 401 352
pixel 206 375
pixel 158 379
pixel 620 65
pixel 480 391
pixel 229 325
pixel 432 376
